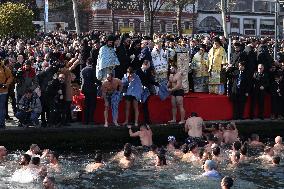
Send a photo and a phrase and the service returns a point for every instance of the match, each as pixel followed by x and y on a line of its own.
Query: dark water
pixel 144 175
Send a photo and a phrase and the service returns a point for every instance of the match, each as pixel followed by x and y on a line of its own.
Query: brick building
pixel 128 14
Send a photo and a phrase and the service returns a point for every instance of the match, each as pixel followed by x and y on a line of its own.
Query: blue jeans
pixel 3 98
pixel 27 117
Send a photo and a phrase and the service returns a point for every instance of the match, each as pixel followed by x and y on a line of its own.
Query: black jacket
pixel 123 55
pixel 259 80
pixel 239 83
pixel 89 80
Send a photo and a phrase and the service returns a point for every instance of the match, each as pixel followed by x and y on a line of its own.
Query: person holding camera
pixel 6 79
pixel 29 109
pixel 56 100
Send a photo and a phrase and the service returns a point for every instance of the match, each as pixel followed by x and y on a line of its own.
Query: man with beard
pixel 123 55
pixel 25 160
pixel 56 97
pixel 107 59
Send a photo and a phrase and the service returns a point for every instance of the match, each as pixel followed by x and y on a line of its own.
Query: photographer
pixel 25 79
pixel 56 99
pixel 44 77
pixel 6 79
pixel 29 109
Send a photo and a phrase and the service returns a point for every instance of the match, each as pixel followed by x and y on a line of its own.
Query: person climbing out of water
pixel 145 135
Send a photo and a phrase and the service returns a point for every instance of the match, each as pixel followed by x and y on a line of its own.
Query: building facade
pixel 128 15
pixel 247 17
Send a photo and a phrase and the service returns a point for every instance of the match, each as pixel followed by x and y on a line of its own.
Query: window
pixel 267 24
pixel 186 25
pixel 264 6
pixel 120 25
pixel 235 23
pixel 249 23
pixel 174 28
pixel 163 27
pixel 131 24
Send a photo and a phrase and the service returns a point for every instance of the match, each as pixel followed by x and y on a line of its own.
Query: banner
pixel 182 64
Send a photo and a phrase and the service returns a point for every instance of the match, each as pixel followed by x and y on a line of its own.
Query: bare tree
pixel 151 8
pixel 76 18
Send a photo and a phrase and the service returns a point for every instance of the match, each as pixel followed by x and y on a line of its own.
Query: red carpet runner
pixel 208 106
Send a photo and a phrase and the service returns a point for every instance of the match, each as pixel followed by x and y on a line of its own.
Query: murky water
pixel 144 175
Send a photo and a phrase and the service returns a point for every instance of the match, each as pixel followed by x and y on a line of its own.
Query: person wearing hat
pixel 107 59
pixel 217 59
pixel 200 70
pixel 210 167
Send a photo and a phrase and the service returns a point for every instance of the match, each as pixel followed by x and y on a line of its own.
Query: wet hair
pixel 35 160
pixel 153 147
pixel 254 137
pixel 55 154
pixel 216 151
pixel 276 160
pixel 228 182
pixel 210 137
pixel 98 157
pixel 244 150
pixel 127 146
pixel 237 155
pixel 193 114
pixel 237 145
pixel 162 156
pixel 184 148
pixel 127 153
pixel 27 157
pixel 192 146
pixel 33 146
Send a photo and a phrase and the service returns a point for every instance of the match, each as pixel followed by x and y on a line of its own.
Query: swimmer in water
pixel 53 158
pixel 34 150
pixel 216 154
pixel 48 183
pixel 120 154
pixel 244 152
pixel 278 146
pixel 255 143
pixel 268 154
pixel 210 169
pixel 3 153
pixel 276 161
pixel 227 182
pixel 161 158
pixel 193 153
pixel 36 168
pixel 25 161
pixel 230 134
pixel 98 164
pixel 145 135
pixel 126 162
pixel 152 153
pixel 235 158
pixel 171 145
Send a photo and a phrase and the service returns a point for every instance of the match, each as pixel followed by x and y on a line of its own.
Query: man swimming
pixel 96 165
pixel 145 135
pixel 3 153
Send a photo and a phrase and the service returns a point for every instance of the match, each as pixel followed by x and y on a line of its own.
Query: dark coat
pixel 243 87
pixel 123 55
pixel 259 80
pixel 147 79
pixel 89 80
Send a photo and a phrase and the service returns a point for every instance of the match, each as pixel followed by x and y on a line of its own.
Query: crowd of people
pixel 207 147
pixel 44 75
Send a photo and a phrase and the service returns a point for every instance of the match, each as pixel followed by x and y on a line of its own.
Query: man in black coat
pixel 123 55
pixel 260 82
pixel 239 90
pixel 89 89
pixel 145 74
pixel 95 53
pixel 56 100
pixel 44 78
pixel 277 93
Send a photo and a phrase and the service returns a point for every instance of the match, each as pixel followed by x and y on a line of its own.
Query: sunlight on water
pixel 143 175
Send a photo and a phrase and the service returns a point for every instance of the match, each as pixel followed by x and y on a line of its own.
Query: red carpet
pixel 208 106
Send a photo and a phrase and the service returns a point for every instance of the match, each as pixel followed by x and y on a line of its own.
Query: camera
pixel 2 86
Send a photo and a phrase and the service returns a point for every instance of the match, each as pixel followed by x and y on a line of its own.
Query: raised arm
pixel 136 134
